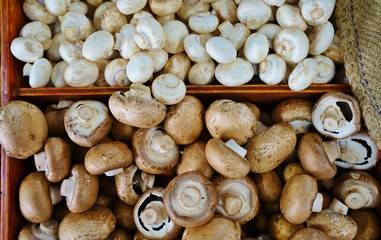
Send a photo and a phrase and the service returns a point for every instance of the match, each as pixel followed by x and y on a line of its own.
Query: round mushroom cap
pixel 124 214
pixel 367 224
pixel 225 160
pixel 23 129
pixel 270 148
pixel 314 158
pixel 218 228
pixel 279 228
pixel 293 109
pixel 190 199
pixel 227 119
pixel 309 233
pixel 108 156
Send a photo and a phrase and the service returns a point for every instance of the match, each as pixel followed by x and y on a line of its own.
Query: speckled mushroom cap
pixel 227 119
pixel 309 233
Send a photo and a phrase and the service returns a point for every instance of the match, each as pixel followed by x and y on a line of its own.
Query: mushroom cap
pixel 96 223
pixel 34 198
pixel 151 218
pixel 291 44
pixel 160 58
pixel 225 160
pixel 124 214
pixel 316 12
pixel 184 121
pixel 179 64
pixel 309 233
pixel 320 38
pixel 39 73
pixel 81 73
pixel 82 188
pixel 37 11
pixel 202 73
pixel 87 122
pixel 124 41
pixel 272 70
pixel 154 150
pixel 115 72
pixel 26 49
pixel 135 110
pixel 190 199
pixel 175 32
pixel 288 15
pixel 336 115
pixel 280 228
pixel 195 48
pixel 98 45
pixel 297 198
pixel 326 69
pixel 269 186
pixel 270 148
pixel 227 119
pixel 140 68
pixel 238 199
pixel 164 7
pixel 23 129
pixel 254 13
pixel 221 49
pixel 108 156
pixel 204 22
pixel 75 26
pixel 303 74
pixel 235 73
pixel 122 132
pixel 314 158
pixel 38 30
pixel 168 89
pixel 218 228
pixel 367 224
pixel 256 48
pixel 149 34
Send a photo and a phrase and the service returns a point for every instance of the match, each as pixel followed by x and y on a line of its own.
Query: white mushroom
pixel 95 3
pixel 79 7
pixel 326 69
pixel 276 3
pixel 70 51
pixel 159 57
pixel 140 68
pixel 124 41
pixel 57 76
pixel 113 20
pixel 253 13
pixel 99 12
pixel 101 63
pixel 225 10
pixel 195 49
pixel 75 26
pixel 39 31
pixel 81 73
pixel 98 45
pixel 204 22
pixel 57 7
pixel 256 48
pixel 290 16
pixel 291 44
pixel 175 32
pixel 149 34
pixel 303 75
pixel 236 34
pixel 202 73
pixel 36 11
pixel 26 49
pixel 128 7
pixel 140 15
pixel 270 30
pixel 317 12
pixel 164 19
pixel 163 8
pixel 238 72
pixel 53 53
pixel 320 38
pixel 178 64
pixel 189 8
pixel 115 72
pixel 39 73
pixel 272 70
pixel 168 89
pixel 221 50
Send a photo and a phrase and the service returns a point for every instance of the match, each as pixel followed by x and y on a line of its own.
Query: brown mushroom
pixel 316 156
pixel 219 227
pixel 228 158
pixel 237 199
pixel 292 169
pixel 300 198
pixel 151 218
pixel 336 115
pixel 87 122
pixel 227 119
pixel 96 223
pixel 105 200
pixel 136 107
pixel 108 158
pixel 194 159
pixel 309 233
pixel 55 114
pixel 358 190
pixel 154 150
pixel 124 214
pixel 131 183
pixel 280 228
pixel 269 186
pixel 120 234
pixel 269 149
pixel 368 224
pixel 185 120
pixel 44 230
pixel 37 197
pixel 80 189
pixel 122 132
pixel 190 199
pixel 55 159
pixel 23 129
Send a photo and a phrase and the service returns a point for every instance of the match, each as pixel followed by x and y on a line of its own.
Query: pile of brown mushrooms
pixel 167 44
pixel 140 169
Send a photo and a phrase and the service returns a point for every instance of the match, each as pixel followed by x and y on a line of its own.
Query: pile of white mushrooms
pixel 140 169
pixel 168 43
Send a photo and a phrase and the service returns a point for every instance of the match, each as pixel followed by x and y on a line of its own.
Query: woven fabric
pixel 359 26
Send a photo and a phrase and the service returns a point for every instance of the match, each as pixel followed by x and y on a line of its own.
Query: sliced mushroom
pixel 154 150
pixel 80 189
pixel 190 199
pixel 131 183
pixel 151 218
pixel 227 119
pixel 26 49
pixel 136 107
pixel 292 45
pixel 336 115
pixel 175 32
pixel 358 190
pixel 87 122
pixel 39 72
pixel 168 89
pixel 237 199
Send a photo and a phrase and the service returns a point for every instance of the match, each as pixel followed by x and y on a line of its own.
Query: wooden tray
pixel 14 87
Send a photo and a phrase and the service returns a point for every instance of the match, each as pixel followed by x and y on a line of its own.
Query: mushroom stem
pixel 260 128
pixel 332 149
pixel 300 126
pixel 142 40
pixel 40 161
pixel 232 205
pixel 85 112
pixel 64 104
pixel 252 22
pixel 162 142
pixel 190 2
pixel 330 120
pixel 151 215
pixel 232 144
pixel 318 203
pixel 338 207
pixel 27 69
pixel 357 198
pixel 114 172
pixel 225 27
pixel 49 227
pixel 190 197
pixel 55 194
pixel 67 186
pixel 139 90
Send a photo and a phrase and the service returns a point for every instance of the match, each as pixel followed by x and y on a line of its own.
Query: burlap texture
pixel 359 26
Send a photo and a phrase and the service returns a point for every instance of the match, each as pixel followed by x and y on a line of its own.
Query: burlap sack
pixel 359 26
